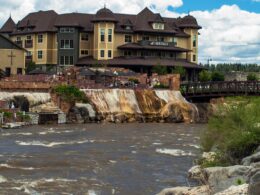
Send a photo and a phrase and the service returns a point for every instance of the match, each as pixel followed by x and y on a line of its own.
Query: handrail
pixel 221 87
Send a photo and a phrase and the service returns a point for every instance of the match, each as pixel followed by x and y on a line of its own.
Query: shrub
pixel 70 93
pixel 134 80
pixel 160 70
pixel 252 77
pixel 179 70
pixel 233 131
pixel 30 67
pixel 217 76
pixel 204 76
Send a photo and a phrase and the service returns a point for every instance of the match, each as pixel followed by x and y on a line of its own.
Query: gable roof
pixel 14 45
pixel 8 26
pixel 48 21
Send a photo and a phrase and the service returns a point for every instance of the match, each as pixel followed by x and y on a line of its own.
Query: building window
pixel 84 37
pixel 194 58
pixel 40 54
pixel 194 40
pixel 71 60
pixel 62 61
pixel 174 41
pixel 128 38
pixel 102 35
pixel 128 28
pixel 145 38
pixel 66 44
pixel 66 60
pixel 102 53
pixel 40 38
pixel 29 37
pixel 7 71
pixel 158 26
pixel 160 39
pixel 67 30
pixel 84 52
pixel 110 31
pixel 127 53
pixel 19 71
pixel 18 39
pixel 109 54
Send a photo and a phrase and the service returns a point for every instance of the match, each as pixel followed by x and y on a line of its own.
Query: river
pixel 97 159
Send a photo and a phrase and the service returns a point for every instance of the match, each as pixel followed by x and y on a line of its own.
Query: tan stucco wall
pixel 18 60
pixel 48 47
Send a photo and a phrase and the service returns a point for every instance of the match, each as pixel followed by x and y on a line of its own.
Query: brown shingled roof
pixel 42 21
pixel 135 61
pixel 8 26
pixel 152 47
pixel 47 21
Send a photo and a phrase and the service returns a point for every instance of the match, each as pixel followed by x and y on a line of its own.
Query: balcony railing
pixel 157 43
pixel 28 43
pixel 19 43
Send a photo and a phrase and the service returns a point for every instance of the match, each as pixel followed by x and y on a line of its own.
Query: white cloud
pixel 228 34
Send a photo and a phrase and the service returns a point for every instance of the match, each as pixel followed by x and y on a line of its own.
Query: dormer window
pixel 128 28
pixel 158 26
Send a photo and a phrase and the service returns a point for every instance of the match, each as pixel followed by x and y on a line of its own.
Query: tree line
pixel 233 67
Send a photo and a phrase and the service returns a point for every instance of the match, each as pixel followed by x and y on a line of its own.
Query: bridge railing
pixel 221 87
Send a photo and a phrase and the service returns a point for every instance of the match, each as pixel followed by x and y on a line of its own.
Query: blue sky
pixel 230 33
pixel 192 5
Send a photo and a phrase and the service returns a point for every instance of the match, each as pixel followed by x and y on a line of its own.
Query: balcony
pixel 28 59
pixel 157 43
pixel 28 43
pixel 19 43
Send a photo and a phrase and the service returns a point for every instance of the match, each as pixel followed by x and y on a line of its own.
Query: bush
pixel 160 70
pixel 30 67
pixel 134 80
pixel 179 70
pixel 252 77
pixel 234 131
pixel 204 76
pixel 217 76
pixel 70 93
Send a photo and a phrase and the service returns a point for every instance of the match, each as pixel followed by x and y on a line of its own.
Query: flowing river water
pixel 97 159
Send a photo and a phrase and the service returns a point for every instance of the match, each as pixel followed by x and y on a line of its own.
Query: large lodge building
pixel 137 42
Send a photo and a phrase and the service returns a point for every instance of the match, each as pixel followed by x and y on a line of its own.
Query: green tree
pixel 252 77
pixel 179 70
pixel 160 70
pixel 204 76
pixel 217 76
pixel 30 67
pixel 70 93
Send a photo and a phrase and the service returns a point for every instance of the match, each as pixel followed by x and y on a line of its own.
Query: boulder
pixel 235 190
pixel 200 190
pixel 221 178
pixel 254 180
pixel 196 172
pixel 251 159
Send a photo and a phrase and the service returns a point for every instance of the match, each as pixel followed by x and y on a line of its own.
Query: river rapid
pixel 97 159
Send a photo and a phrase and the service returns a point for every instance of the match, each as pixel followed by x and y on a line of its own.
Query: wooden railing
pixel 224 88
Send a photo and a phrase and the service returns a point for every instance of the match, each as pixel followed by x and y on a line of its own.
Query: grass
pixel 233 131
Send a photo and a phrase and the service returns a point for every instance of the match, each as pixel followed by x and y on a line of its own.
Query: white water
pixel 34 98
pixel 89 107
pixel 174 152
pixel 51 144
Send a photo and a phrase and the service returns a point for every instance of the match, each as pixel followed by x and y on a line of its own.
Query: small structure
pixel 12 57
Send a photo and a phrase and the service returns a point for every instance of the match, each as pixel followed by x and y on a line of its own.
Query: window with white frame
pixel 128 38
pixel 102 35
pixel 102 53
pixel 40 38
pixel 158 26
pixel 110 35
pixel 67 30
pixel 66 44
pixel 40 54
pixel 84 52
